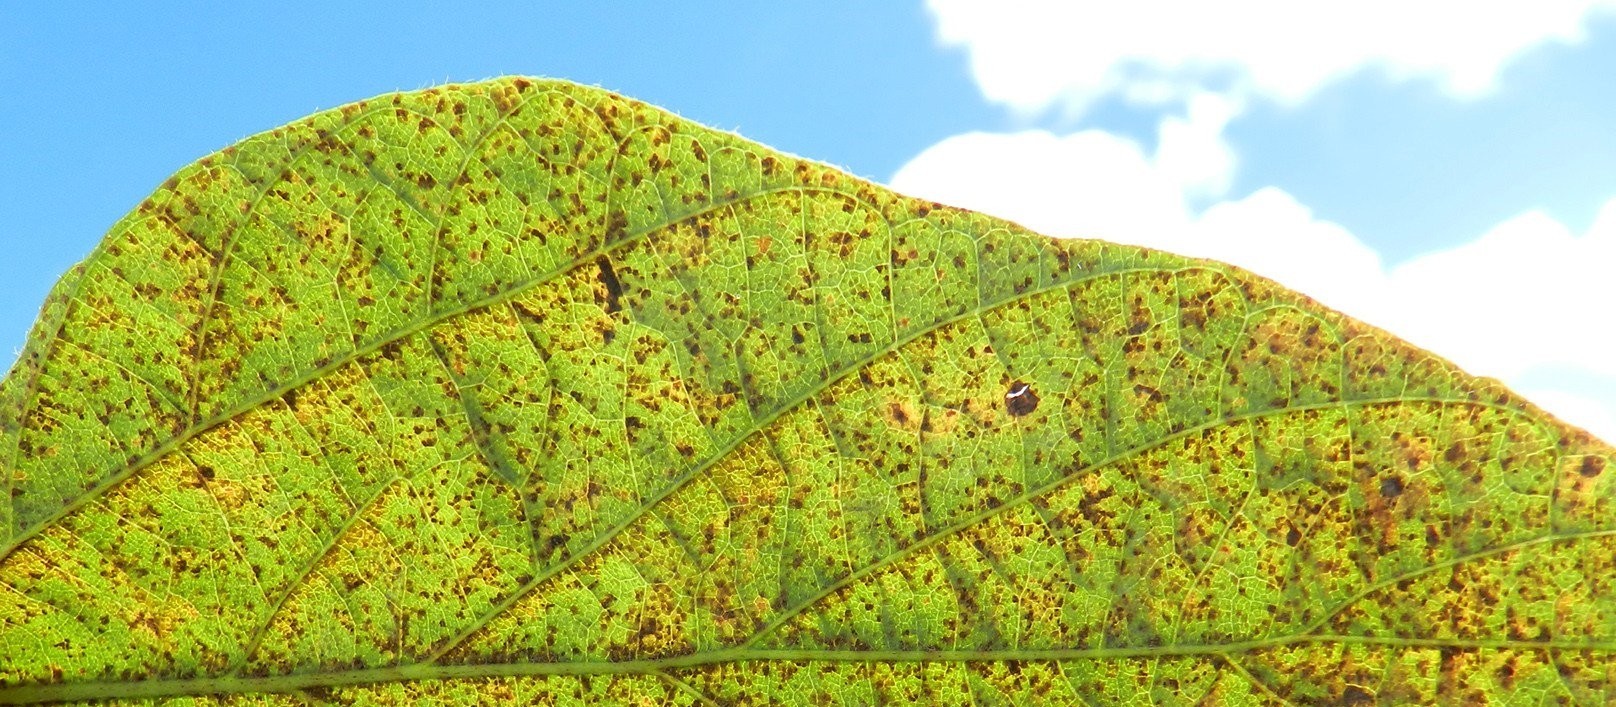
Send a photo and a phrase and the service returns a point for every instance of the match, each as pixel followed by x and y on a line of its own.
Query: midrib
pixel 237 685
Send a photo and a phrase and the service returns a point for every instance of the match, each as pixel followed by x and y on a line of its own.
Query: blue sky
pixel 1477 154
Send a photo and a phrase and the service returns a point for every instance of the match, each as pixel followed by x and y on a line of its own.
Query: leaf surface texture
pixel 523 390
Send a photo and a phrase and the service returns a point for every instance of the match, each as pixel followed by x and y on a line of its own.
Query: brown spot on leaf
pixel 1455 452
pixel 1020 399
pixel 1591 466
pixel 898 414
pixel 1355 695
pixel 1391 487
pixel 608 279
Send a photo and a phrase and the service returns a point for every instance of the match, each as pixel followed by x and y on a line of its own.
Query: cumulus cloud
pixel 1526 296
pixel 1035 54
pixel 1191 150
pixel 1091 182
pixel 1526 293
pixel 1086 182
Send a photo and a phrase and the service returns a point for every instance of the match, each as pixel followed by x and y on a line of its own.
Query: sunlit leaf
pixel 523 391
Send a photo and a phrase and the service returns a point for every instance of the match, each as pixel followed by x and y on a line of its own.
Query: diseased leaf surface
pixel 525 391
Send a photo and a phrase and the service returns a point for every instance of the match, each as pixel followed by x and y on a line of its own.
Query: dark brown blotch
pixel 1355 695
pixel 1455 452
pixel 608 280
pixel 896 412
pixel 1591 467
pixel 1391 487
pixel 1020 399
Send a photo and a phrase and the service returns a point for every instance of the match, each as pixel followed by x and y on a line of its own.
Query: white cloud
pixel 1191 150
pixel 1526 293
pixel 1035 54
pixel 1270 233
pixel 1089 182
pixel 1524 297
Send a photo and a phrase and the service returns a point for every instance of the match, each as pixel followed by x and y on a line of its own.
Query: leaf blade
pixel 649 399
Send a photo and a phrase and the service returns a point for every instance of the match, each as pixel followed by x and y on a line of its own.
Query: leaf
pixel 521 390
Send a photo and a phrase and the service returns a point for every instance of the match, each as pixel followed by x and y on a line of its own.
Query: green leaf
pixel 521 390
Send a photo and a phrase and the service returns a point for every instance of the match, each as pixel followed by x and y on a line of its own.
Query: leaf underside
pixel 521 390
